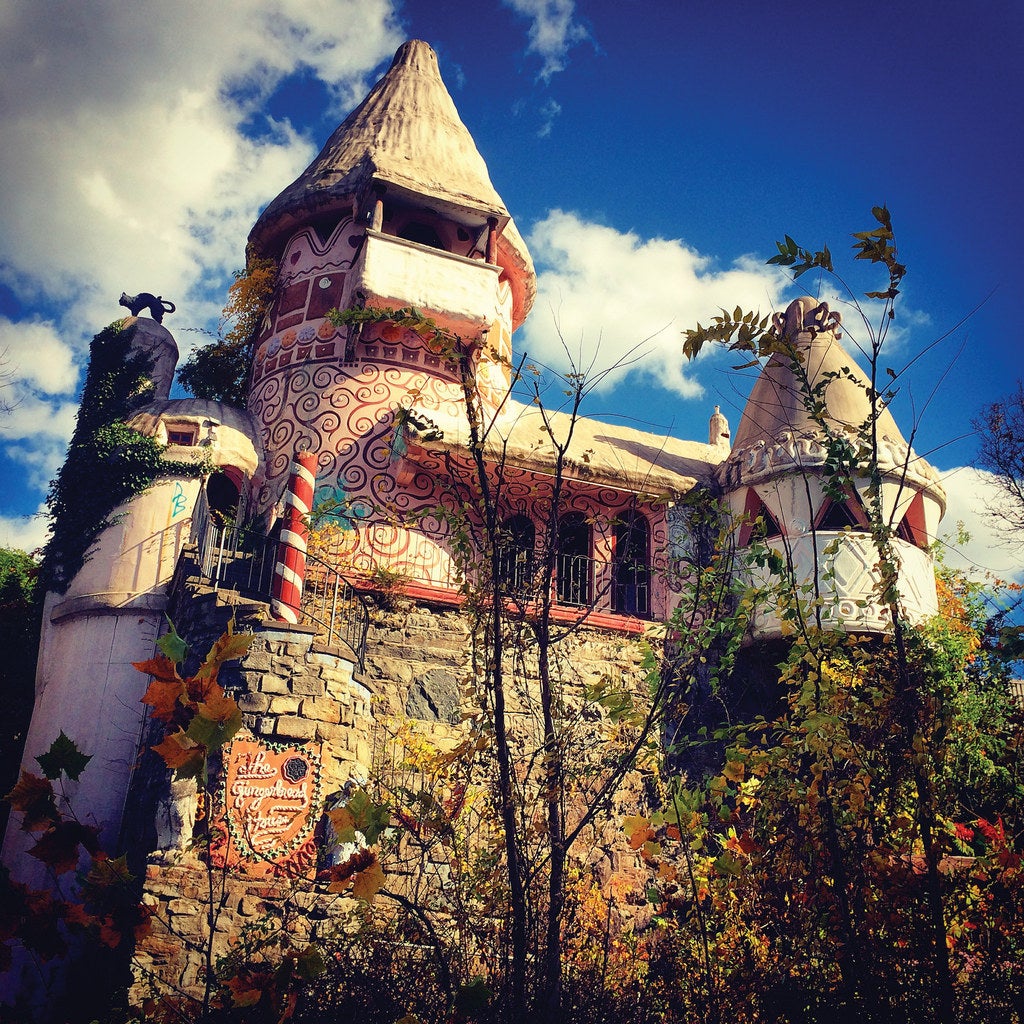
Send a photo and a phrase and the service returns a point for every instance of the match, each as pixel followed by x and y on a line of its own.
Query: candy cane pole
pixel 290 568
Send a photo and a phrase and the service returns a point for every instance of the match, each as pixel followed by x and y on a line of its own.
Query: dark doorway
pixel 222 498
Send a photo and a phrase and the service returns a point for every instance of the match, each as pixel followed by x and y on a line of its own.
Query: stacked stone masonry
pixel 293 691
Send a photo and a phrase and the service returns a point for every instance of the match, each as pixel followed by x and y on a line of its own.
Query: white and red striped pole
pixel 290 567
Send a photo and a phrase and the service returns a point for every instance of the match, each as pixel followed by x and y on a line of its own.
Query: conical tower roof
pixel 776 404
pixel 777 433
pixel 408 136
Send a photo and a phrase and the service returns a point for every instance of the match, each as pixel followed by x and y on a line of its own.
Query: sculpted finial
pixel 718 429
pixel 806 314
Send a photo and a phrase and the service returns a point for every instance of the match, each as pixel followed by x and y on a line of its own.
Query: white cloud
pixel 549 111
pixel 36 355
pixel 24 532
pixel 125 143
pixel 605 292
pixel 992 549
pixel 553 31
pixel 35 434
pixel 34 417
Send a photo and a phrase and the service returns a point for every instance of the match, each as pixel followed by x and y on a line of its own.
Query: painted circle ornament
pixel 295 769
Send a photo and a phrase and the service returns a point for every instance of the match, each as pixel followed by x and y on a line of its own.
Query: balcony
pixel 459 293
pixel 847 582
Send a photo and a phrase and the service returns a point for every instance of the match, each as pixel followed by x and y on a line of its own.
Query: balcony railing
pixel 847 582
pixel 459 292
pixel 574 582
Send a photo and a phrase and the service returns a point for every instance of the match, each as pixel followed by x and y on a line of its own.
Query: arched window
pixel 631 570
pixel 573 583
pixel 417 231
pixel 515 555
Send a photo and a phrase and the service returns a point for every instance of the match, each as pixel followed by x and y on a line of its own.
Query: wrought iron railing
pixel 233 558
pixel 341 612
pixel 574 580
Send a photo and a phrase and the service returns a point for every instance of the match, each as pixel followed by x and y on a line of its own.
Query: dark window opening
pixel 842 515
pixel 325 225
pixel 222 498
pixel 572 585
pixel 515 555
pixel 631 571
pixel 416 231
pixel 759 522
pixel 904 532
pixel 768 526
pixel 912 527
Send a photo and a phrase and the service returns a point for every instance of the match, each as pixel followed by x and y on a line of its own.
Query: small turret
pixel 403 164
pixel 396 211
pixel 775 475
pixel 154 341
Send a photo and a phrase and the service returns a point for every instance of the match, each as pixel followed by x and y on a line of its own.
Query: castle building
pixel 398 212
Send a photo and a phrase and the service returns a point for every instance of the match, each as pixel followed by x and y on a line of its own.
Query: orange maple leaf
pixel 201 688
pixel 218 707
pixel 76 914
pixel 369 882
pixel 228 647
pixel 58 848
pixel 33 796
pixel 160 667
pixel 341 875
pixel 178 750
pixel 164 696
pixel 247 988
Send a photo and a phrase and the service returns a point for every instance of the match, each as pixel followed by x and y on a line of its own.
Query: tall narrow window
pixel 515 555
pixel 572 585
pixel 631 571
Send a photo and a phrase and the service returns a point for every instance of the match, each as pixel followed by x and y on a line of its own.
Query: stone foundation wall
pixel 292 691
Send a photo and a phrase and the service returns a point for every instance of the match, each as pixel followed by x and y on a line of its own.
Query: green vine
pixel 108 462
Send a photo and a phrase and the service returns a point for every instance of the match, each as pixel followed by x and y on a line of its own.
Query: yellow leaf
pixel 369 882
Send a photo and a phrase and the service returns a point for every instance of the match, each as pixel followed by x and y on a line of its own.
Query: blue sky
pixel 650 152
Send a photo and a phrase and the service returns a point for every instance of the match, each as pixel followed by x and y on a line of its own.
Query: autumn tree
pixel 20 610
pixel 219 370
pixel 552 752
pixel 1000 429
pixel 820 864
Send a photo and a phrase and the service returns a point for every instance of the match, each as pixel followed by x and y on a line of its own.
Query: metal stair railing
pixel 334 604
pixel 234 558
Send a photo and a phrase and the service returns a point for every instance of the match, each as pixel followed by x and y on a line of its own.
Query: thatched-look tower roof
pixel 406 136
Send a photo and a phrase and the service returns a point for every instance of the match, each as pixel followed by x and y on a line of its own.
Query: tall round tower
pixel 397 210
